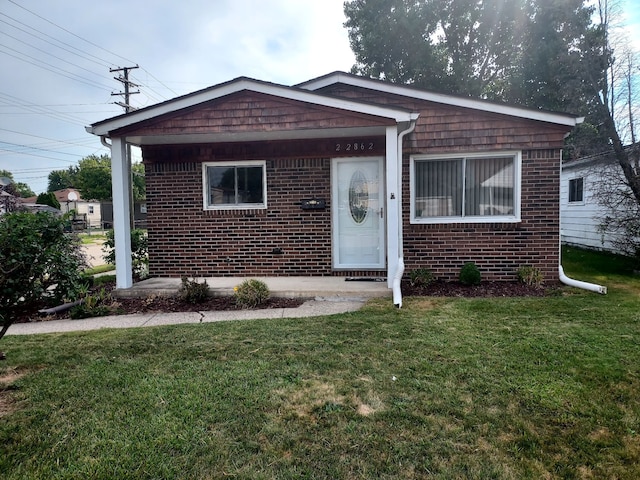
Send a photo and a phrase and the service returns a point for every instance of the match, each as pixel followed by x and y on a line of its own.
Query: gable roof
pixel 446 99
pixel 243 83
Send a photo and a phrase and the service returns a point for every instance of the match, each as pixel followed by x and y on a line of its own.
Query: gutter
pixel 592 287
pixel 397 277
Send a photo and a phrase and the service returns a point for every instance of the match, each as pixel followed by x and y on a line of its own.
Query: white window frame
pixel 514 218
pixel 576 202
pixel 238 206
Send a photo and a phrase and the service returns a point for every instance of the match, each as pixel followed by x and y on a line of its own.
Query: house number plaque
pixel 354 146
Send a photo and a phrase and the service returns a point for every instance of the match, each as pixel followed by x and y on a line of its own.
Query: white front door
pixel 357 201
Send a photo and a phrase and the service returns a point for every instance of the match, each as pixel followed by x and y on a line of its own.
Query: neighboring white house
pixel 580 212
pixel 86 210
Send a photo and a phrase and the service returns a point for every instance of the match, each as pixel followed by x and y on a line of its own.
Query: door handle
pixel 381 212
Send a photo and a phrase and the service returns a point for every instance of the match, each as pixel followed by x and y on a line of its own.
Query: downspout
pixel 397 277
pixel 103 141
pixel 592 287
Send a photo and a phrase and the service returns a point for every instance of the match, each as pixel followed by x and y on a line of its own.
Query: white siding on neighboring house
pixel 92 212
pixel 580 214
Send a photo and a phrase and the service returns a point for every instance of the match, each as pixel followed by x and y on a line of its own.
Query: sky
pixel 55 57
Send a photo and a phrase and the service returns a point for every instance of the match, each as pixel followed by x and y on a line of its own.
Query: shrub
pixel 531 276
pixel 193 292
pixel 421 277
pixel 139 251
pixel 470 274
pixel 251 293
pixel 93 305
pixel 36 255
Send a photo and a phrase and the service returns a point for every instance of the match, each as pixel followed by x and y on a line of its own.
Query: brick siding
pixel 285 240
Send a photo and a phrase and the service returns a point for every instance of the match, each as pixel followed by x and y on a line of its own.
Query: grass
pixel 99 269
pixel 444 388
pixel 88 238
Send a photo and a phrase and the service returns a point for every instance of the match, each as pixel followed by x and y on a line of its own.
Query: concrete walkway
pixel 311 308
pixel 327 296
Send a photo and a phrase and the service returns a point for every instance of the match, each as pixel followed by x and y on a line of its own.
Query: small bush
pixel 251 293
pixel 421 277
pixel 93 305
pixel 531 276
pixel 470 274
pixel 193 292
pixel 139 251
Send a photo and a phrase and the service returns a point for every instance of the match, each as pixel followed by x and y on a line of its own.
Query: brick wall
pixel 282 240
pixel 498 249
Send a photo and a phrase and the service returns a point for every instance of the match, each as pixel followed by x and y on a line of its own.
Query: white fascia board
pixel 482 105
pixel 291 93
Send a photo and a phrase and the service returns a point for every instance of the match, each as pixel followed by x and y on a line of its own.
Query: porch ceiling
pixel 225 137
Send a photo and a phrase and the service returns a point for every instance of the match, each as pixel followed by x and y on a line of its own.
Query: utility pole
pixel 124 79
pixel 128 84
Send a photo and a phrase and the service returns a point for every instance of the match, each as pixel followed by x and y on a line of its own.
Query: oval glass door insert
pixel 358 197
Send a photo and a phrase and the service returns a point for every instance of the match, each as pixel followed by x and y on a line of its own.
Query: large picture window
pixel 238 185
pixel 465 188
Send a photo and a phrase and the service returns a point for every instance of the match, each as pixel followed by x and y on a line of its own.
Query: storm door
pixel 357 213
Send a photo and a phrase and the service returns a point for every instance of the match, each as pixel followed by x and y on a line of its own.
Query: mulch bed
pixel 174 304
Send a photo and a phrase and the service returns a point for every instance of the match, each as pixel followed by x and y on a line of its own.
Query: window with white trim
pixel 576 190
pixel 237 185
pixel 465 188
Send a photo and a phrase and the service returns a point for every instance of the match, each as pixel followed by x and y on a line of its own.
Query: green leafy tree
pixel 94 177
pixel 457 46
pixel 19 189
pixel 139 185
pixel 48 198
pixel 521 51
pixel 61 179
pixel 139 251
pixel 39 263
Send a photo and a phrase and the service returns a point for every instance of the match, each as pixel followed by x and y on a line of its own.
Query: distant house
pixel 340 176
pixel 6 199
pixel 139 214
pixel 87 212
pixel 580 211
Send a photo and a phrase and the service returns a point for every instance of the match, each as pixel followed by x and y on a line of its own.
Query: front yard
pixel 505 388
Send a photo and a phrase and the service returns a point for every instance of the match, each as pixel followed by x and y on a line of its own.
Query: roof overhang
pixel 453 100
pixel 228 137
pixel 105 127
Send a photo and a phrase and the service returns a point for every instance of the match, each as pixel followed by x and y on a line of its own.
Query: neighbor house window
pixel 238 185
pixel 90 209
pixel 465 188
pixel 576 190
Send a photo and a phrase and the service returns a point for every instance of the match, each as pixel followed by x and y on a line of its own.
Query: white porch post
pixel 393 197
pixel 121 186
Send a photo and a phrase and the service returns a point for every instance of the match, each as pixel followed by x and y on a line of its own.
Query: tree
pixel 61 179
pixel 510 50
pixel 610 74
pixel 19 189
pixel 38 263
pixel 48 198
pixel 94 177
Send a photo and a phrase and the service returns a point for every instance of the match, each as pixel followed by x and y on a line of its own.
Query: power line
pixel 61 72
pixel 49 54
pixel 70 32
pixel 99 62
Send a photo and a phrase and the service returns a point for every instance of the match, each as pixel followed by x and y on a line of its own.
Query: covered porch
pixel 318 288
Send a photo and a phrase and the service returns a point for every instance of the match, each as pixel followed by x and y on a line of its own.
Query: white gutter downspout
pixel 397 277
pixel 592 287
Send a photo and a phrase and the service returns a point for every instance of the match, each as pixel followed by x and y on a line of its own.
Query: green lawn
pixel 443 388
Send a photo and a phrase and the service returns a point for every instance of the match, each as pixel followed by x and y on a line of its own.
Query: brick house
pixel 340 175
